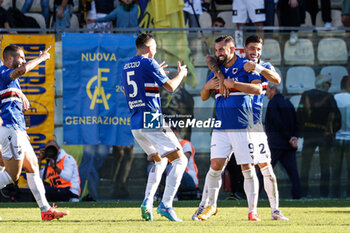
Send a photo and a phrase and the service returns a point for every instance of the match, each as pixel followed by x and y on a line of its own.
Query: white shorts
pixel 14 143
pixel 160 141
pixel 243 10
pixel 261 146
pixel 224 142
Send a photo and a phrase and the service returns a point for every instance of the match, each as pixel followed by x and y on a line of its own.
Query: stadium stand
pixel 227 17
pixel 201 141
pixel 301 53
pixel 39 18
pixel 336 19
pixel 202 75
pixel 308 22
pixel 295 99
pixel 336 73
pixel 205 20
pixel 198 56
pixel 271 52
pixel 203 109
pixel 300 79
pixel 74 22
pixel 332 51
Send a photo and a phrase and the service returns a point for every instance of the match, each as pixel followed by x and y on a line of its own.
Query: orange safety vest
pixel 55 179
pixel 192 164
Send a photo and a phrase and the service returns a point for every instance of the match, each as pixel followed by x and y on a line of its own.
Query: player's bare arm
pixel 28 66
pixel 207 89
pixel 270 75
pixel 172 84
pixel 254 88
pixel 214 67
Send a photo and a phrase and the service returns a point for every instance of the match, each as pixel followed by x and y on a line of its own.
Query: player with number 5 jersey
pixel 142 77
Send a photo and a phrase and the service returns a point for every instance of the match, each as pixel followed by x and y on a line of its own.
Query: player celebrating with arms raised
pixel 141 77
pixel 17 151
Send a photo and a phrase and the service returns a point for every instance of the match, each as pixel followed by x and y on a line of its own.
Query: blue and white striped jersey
pixel 141 78
pixel 235 111
pixel 11 104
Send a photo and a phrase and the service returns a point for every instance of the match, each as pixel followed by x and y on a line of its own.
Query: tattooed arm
pixel 213 66
pixel 28 66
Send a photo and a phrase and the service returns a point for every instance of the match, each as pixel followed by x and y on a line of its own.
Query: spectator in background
pixel 342 143
pixel 93 159
pixel 63 13
pixel 345 17
pixel 312 8
pixel 99 9
pixel 45 11
pixel 319 119
pixel 60 175
pixel 124 15
pixel 245 10
pixel 282 133
pixel 270 12
pixel 4 19
pixel 192 11
pixel 291 14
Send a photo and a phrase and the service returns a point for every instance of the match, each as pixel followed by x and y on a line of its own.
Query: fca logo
pixel 152 120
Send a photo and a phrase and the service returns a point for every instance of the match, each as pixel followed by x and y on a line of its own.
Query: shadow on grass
pixel 191 204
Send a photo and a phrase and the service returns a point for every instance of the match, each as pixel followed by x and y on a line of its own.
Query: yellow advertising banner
pixel 39 87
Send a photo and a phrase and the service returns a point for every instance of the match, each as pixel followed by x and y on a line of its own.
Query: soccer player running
pixel 141 77
pixel 17 151
pixel 253 49
pixel 236 115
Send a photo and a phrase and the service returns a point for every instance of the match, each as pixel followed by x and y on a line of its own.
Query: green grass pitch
pixel 125 216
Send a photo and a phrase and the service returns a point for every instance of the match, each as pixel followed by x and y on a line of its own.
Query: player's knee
pixel 249 173
pixel 182 160
pixel 214 173
pixel 267 171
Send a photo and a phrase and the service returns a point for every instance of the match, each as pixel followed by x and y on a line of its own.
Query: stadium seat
pixel 205 20
pixel 308 22
pixel 74 22
pixel 58 54
pixel 277 23
pixel 201 140
pixel 6 4
pixel 59 111
pixel 58 83
pixel 202 77
pixel 59 135
pixel 295 99
pixel 332 51
pixel 227 17
pixel 336 73
pixel 39 18
pixel 223 7
pixel 300 79
pixel 203 110
pixel 301 53
pixel 336 4
pixel 36 6
pixel 336 19
pixel 271 52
